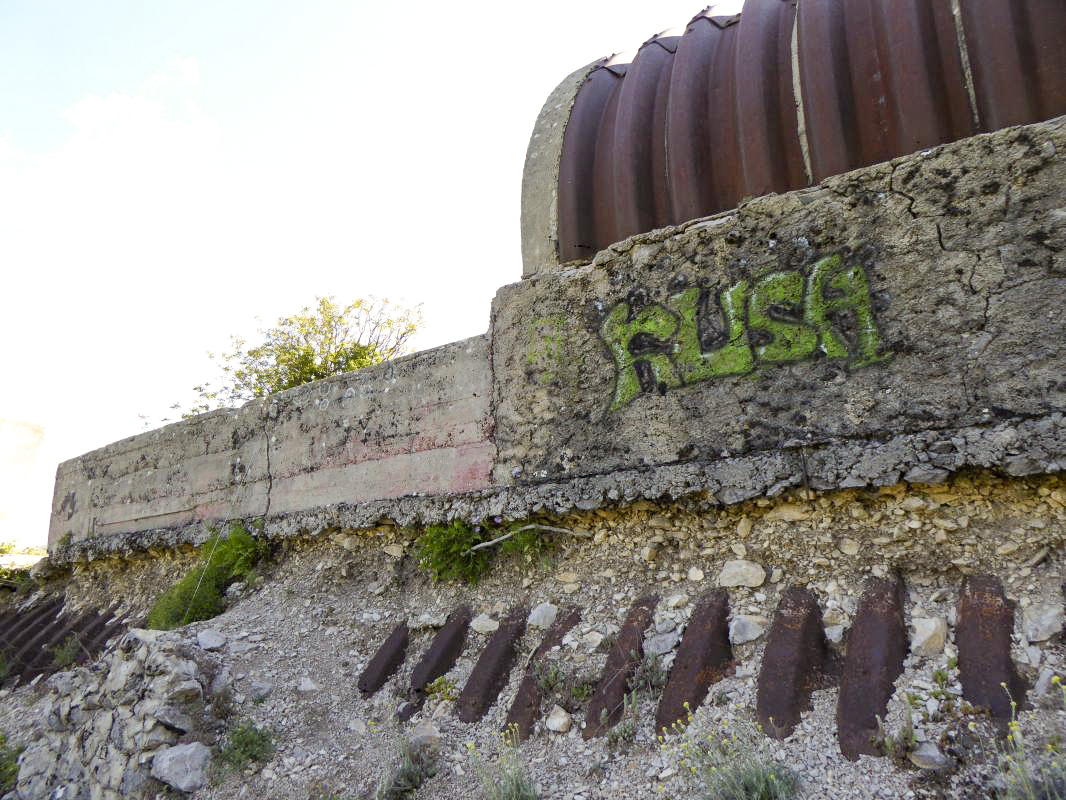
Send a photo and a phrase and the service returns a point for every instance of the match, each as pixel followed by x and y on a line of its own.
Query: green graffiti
pixel 834 289
pixel 547 347
pixel 618 331
pixel 732 358
pixel 785 317
pixel 789 341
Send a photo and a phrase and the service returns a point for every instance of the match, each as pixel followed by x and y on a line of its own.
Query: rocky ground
pixel 290 649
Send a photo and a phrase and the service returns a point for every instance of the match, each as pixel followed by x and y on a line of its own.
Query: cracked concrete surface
pixel 961 246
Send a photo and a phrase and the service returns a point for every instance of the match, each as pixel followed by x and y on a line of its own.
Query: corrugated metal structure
pixel 30 638
pixel 789 92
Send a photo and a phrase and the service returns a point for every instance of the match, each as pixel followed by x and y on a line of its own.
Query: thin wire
pixel 192 599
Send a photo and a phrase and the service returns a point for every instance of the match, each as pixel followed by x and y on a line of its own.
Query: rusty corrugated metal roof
pixel 790 92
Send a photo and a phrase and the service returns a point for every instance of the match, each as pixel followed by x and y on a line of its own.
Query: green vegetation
pixel 626 729
pixel 442 689
pixel 462 552
pixel 446 551
pixel 730 764
pixel 568 690
pixel 246 744
pixel 315 343
pixel 199 594
pixel 66 654
pixel 1031 774
pixel 9 766
pixel 413 767
pixel 508 779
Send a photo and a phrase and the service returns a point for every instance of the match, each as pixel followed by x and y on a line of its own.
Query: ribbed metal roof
pixel 788 93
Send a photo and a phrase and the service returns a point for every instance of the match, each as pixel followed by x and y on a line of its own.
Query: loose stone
pixel 483 623
pixel 929 636
pixel 741 573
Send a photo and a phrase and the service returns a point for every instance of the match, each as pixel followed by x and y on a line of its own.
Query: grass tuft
pixel 414 766
pixel 246 744
pixel 9 764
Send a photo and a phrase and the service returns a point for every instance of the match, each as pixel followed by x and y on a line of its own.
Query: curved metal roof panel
pixel 788 93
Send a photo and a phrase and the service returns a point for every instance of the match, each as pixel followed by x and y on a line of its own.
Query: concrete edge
pixel 1017 447
pixel 540 174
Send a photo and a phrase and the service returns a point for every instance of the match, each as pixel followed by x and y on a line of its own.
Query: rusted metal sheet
pixel 493 667
pixel 526 705
pixel 607 704
pixel 879 80
pixel 641 199
pixel 701 143
pixel 877 645
pixel 441 656
pixel 983 635
pixel 29 639
pixel 1017 53
pixel 704 656
pixel 385 662
pixel 698 122
pixel 795 663
pixel 577 222
pixel 771 159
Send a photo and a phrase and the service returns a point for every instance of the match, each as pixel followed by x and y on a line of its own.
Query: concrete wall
pixel 418 424
pixel 899 322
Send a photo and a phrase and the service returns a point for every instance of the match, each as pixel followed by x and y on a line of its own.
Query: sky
pixel 174 173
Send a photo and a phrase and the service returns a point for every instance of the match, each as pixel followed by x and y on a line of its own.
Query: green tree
pixel 315 343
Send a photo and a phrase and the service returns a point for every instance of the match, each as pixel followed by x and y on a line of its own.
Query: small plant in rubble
pixel 507 779
pixel 728 764
pixel 1031 774
pixel 413 767
pixel 442 689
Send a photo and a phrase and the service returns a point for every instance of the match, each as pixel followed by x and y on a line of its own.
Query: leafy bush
pixel 445 550
pixel 246 744
pixel 9 764
pixel 66 654
pixel 199 594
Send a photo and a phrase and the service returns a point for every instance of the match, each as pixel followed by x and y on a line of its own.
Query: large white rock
pixel 483 623
pixel 929 636
pixel 184 766
pixel 210 639
pixel 543 616
pixel 558 720
pixel 739 572
pixel 661 643
pixel 1043 621
pixel 745 628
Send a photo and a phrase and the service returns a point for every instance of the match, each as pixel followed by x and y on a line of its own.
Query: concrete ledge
pixel 898 323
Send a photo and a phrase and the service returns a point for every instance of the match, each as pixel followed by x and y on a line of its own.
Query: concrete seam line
pixel 797 92
pixel 964 57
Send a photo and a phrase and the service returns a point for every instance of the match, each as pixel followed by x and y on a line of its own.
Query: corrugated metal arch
pixel 790 92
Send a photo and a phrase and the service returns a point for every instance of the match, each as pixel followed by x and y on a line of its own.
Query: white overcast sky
pixel 170 171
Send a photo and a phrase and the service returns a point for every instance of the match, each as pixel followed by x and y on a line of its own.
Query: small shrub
pixel 9 764
pixel 531 544
pixel 445 551
pixel 66 654
pixel 508 780
pixel 413 767
pixel 733 766
pixel 244 745
pixel 1032 775
pixel 199 594
pixel 442 689
pixel 626 729
pixel 650 676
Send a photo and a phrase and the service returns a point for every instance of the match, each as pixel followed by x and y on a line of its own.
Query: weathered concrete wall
pixel 418 424
pixel 903 321
pixel 920 295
